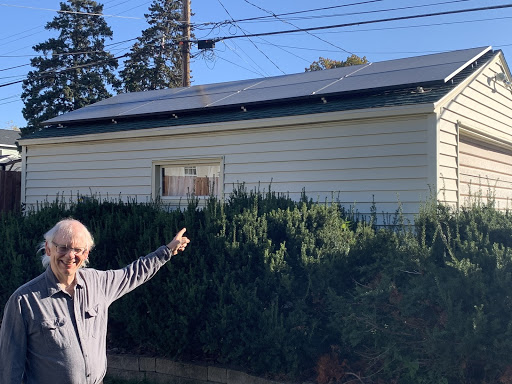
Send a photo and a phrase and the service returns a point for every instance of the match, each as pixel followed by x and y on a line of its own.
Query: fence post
pixel 10 190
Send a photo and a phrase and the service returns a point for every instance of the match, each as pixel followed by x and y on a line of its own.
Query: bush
pixel 295 289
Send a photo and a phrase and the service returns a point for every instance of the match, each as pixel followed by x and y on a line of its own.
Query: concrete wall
pixel 166 371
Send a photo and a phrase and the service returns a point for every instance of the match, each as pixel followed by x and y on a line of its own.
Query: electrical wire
pixel 260 71
pixel 12 101
pixel 283 48
pixel 296 27
pixel 238 65
pixel 10 97
pixel 363 22
pixel 297 12
pixel 348 14
pixel 270 18
pixel 420 25
pixel 245 34
pixel 71 12
pixel 52 72
pixel 17 66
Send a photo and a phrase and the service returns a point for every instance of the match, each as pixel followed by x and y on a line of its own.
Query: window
pixel 190 171
pixel 200 179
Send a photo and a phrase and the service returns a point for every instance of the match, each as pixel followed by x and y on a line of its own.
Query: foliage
pixel 430 305
pixel 154 61
pixel 324 63
pixel 74 69
pixel 293 289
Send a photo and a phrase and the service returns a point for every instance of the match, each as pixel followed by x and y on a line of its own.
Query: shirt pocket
pixel 56 333
pixel 93 323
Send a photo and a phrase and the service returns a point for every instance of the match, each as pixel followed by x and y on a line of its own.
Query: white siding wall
pixel 355 161
pixel 8 150
pixel 481 112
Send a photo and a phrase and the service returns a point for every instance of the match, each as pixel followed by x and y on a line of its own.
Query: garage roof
pixel 424 70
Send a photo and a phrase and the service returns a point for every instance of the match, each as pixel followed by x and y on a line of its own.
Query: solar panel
pixel 392 73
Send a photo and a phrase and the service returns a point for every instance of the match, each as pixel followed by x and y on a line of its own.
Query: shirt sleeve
pixel 13 343
pixel 121 281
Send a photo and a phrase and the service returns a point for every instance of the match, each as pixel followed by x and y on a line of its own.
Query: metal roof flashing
pixel 468 62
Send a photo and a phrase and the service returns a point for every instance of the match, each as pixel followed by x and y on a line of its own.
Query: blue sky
pixel 22 26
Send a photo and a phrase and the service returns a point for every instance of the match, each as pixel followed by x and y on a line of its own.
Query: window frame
pixel 156 179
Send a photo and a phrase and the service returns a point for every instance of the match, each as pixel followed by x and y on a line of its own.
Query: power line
pixel 10 97
pixel 293 13
pixel 372 11
pixel 64 53
pixel 255 46
pixel 283 48
pixel 17 66
pixel 238 65
pixel 12 101
pixel 52 73
pixel 260 71
pixel 20 33
pixel 71 12
pixel 423 25
pixel 364 22
pixel 293 25
pixel 272 16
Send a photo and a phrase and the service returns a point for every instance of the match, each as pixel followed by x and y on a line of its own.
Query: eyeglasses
pixel 63 249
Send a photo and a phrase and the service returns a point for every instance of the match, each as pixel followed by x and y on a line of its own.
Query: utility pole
pixel 185 46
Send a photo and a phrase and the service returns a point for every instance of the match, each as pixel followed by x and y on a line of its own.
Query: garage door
pixel 485 170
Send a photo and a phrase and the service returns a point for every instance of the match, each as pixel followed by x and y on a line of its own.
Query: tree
pixel 324 63
pixel 74 69
pixel 154 61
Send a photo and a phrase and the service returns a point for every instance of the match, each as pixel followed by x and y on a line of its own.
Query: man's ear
pixel 47 250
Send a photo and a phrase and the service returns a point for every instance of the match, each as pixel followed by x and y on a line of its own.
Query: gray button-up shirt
pixel 49 337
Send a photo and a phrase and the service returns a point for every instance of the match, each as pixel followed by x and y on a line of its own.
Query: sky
pixel 376 29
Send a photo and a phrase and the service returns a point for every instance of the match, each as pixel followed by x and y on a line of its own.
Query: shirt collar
pixel 79 279
pixel 53 284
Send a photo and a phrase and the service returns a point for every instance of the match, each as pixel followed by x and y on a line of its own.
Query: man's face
pixel 67 253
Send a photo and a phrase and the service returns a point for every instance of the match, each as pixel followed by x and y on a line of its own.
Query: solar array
pixel 419 70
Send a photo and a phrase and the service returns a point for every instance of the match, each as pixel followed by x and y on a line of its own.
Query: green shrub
pixel 297 290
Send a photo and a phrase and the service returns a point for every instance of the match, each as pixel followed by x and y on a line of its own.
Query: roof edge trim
pixel 350 115
pixel 462 67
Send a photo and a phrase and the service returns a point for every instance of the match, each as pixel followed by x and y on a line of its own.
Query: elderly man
pixel 54 327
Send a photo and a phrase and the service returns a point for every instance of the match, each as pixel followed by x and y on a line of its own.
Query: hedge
pixel 300 290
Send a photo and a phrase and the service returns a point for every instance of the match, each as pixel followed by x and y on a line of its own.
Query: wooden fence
pixel 10 190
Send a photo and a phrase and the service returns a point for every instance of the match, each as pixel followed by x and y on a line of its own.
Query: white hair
pixel 65 226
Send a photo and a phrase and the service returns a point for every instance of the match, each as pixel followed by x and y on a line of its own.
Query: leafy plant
pixel 297 290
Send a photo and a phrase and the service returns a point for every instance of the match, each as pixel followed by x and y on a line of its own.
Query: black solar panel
pixel 439 67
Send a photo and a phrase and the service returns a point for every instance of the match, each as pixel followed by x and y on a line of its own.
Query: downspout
pixel 457 162
pixel 432 151
pixel 23 197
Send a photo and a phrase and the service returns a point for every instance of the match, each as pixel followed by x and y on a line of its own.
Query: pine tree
pixel 74 69
pixel 154 61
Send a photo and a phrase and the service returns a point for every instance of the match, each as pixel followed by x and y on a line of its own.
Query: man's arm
pixel 121 281
pixel 13 343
